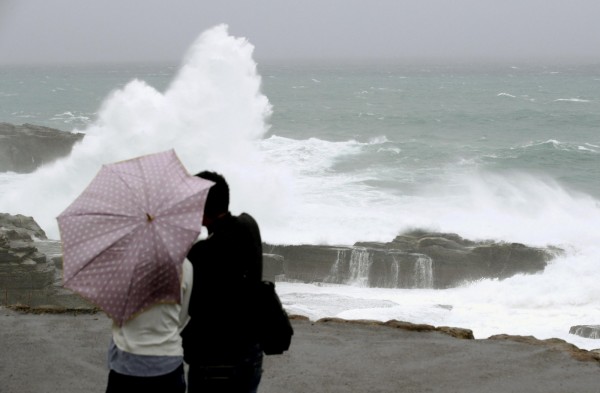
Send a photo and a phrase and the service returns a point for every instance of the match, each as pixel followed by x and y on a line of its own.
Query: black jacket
pixel 227 267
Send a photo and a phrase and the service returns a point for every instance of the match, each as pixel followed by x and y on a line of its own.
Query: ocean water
pixel 334 153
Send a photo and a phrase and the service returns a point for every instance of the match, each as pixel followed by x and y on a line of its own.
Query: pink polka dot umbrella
pixel 126 236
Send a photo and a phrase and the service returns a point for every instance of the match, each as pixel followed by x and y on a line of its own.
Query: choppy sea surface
pixel 334 153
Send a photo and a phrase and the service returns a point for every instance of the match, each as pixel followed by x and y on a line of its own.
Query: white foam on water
pixel 513 207
pixel 69 117
pixel 571 100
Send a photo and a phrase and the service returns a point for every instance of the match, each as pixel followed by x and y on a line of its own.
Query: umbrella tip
pixel 149 217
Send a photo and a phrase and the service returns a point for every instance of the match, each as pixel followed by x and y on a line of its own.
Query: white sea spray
pixel 212 114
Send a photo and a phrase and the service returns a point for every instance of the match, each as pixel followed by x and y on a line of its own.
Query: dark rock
pixel 19 227
pixel 272 266
pixel 57 261
pixel 399 269
pixel 306 263
pixel 553 343
pixel 465 334
pixel 26 147
pixel 23 269
pixel 28 268
pixel 26 275
pixel 52 249
pixel 416 259
pixel 22 247
pixel 6 256
pixel 587 331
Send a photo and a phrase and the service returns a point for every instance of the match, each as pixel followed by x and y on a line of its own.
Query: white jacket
pixel 156 330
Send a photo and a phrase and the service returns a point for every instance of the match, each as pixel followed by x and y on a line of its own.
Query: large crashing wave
pixel 212 114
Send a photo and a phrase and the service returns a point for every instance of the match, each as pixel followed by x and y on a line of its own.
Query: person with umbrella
pixel 125 241
pixel 221 341
pixel 145 352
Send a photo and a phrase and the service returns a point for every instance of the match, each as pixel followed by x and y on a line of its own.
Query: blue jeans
pixel 173 382
pixel 240 377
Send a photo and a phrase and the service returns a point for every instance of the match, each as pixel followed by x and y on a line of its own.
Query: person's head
pixel 217 202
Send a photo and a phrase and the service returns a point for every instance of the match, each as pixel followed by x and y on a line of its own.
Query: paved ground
pixel 66 353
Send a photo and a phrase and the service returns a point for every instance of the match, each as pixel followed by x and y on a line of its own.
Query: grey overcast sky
pixel 75 31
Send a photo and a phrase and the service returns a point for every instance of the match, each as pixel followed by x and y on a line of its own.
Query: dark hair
pixel 217 201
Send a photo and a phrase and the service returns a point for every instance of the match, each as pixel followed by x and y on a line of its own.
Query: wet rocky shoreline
pixel 31 265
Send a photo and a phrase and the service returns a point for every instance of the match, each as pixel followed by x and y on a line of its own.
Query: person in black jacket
pixel 221 344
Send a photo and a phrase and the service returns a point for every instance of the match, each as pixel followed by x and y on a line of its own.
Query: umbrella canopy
pixel 126 236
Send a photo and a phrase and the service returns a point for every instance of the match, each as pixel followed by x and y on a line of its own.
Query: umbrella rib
pixel 115 274
pixel 143 175
pixel 164 246
pixel 180 174
pixel 97 214
pixel 129 289
pixel 155 253
pixel 91 260
pixel 179 203
pixel 128 186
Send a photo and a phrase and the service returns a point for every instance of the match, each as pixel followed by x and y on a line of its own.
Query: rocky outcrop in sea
pixel 587 331
pixel 31 264
pixel 416 259
pixel 24 148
